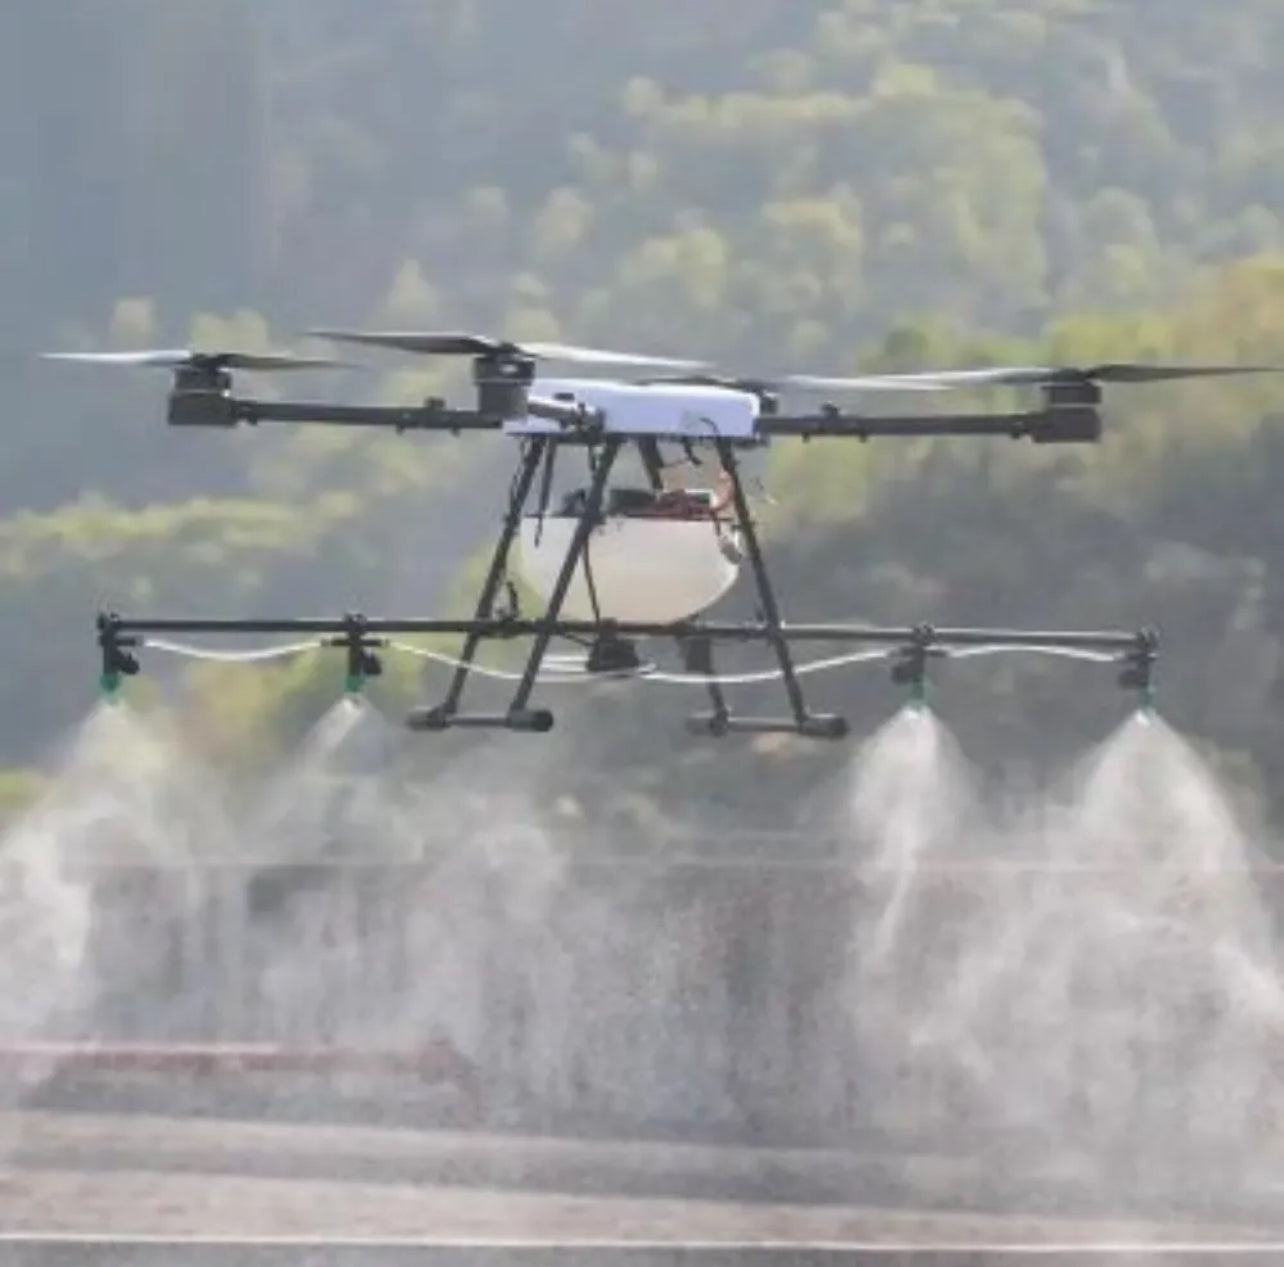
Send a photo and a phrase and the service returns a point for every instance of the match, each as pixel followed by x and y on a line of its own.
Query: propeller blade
pixel 994 376
pixel 697 379
pixel 160 359
pixel 1029 376
pixel 731 383
pixel 457 343
pixel 802 382
pixel 280 361
pixel 927 380
pixel 858 383
pixel 1132 373
pixel 182 358
pixel 604 356
pixel 444 343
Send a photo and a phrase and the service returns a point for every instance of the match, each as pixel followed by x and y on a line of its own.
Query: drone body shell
pixel 680 410
pixel 638 569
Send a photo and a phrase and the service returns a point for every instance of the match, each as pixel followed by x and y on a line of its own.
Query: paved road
pixel 14 1254
pixel 90 1177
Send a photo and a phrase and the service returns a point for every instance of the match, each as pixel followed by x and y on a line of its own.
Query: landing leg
pixel 434 718
pixel 820 726
pixel 649 449
pixel 697 657
pixel 770 609
pixel 583 529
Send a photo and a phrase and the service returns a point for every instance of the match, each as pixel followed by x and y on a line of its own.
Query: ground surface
pixel 139 1175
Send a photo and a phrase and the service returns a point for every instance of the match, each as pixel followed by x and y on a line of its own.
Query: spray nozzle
pixel 117 662
pixel 1138 673
pixel 909 664
pixel 362 662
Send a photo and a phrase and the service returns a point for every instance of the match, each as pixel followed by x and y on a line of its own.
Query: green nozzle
pixel 918 693
pixel 354 683
pixel 109 684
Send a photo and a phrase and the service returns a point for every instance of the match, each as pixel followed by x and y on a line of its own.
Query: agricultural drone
pixel 615 566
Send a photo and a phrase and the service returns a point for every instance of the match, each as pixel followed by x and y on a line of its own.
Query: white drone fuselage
pixel 680 411
pixel 639 569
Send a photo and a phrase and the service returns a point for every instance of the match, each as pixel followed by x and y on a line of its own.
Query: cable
pixel 643 673
pixel 766 675
pixel 649 675
pixel 501 675
pixel 1070 653
pixel 235 657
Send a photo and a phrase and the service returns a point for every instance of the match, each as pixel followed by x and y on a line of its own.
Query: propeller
pixel 1029 376
pixel 859 383
pixel 182 358
pixel 759 384
pixel 456 343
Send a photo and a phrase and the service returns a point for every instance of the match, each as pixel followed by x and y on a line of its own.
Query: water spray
pixel 1087 984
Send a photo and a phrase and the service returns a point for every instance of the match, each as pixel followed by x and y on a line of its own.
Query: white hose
pixel 649 674
pixel 501 675
pixel 1069 653
pixel 769 675
pixel 643 673
pixel 234 657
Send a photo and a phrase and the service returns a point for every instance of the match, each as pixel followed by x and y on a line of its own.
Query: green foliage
pixel 826 185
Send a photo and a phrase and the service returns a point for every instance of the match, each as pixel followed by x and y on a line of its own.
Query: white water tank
pixel 643 569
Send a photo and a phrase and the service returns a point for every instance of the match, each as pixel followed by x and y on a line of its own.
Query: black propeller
pixel 183 358
pixel 457 343
pixel 1028 376
pixel 759 385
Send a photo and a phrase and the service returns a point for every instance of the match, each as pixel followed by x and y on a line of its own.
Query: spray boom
pixel 911 651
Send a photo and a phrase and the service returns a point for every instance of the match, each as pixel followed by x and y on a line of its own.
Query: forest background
pixel 804 185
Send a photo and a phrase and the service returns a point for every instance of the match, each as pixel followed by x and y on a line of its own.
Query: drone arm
pixel 222 410
pixel 203 406
pixel 430 416
pixel 1056 425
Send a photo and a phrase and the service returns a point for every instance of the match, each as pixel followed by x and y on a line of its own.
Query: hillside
pixel 781 184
